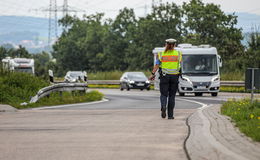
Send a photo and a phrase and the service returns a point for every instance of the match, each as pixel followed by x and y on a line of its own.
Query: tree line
pixel 126 43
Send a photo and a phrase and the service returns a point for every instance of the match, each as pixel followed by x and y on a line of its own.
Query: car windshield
pixel 137 76
pixel 199 64
pixel 75 74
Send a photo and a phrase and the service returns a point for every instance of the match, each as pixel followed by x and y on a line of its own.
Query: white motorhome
pixel 200 69
pixel 19 64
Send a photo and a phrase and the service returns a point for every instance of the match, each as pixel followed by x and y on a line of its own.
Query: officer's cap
pixel 170 41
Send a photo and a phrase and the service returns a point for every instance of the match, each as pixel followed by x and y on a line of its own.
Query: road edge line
pixel 66 105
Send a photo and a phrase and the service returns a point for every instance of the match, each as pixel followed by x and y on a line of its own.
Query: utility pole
pixel 52 24
pixel 145 10
pixel 65 8
pixel 53 9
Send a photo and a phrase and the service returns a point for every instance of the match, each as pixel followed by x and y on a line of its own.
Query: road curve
pixel 127 126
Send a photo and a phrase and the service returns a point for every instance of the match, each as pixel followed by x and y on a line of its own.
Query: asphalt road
pixel 127 126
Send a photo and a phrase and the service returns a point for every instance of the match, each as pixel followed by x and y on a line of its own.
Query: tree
pixel 41 61
pixel 21 52
pixel 126 43
pixel 207 24
pixel 252 57
pixel 3 53
pixel 164 22
pixel 78 47
pixel 118 39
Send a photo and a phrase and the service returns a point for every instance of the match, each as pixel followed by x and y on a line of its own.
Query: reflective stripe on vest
pixel 170 61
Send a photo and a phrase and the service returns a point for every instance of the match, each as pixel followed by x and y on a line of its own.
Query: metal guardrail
pixel 58 87
pixel 109 82
pixel 232 83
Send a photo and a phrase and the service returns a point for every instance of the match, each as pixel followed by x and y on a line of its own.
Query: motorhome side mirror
pixel 219 61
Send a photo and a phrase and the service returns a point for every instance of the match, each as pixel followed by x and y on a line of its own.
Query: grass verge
pixel 66 98
pixel 236 89
pixel 232 76
pixel 246 116
pixel 111 86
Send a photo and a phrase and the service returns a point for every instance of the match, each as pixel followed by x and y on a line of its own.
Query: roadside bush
pixel 16 87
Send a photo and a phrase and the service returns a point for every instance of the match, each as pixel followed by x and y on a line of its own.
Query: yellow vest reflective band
pixel 170 61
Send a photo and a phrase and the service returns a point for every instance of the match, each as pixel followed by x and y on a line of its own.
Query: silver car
pixel 75 76
pixel 134 80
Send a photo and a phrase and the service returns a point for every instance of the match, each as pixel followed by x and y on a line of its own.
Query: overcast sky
pixel 111 7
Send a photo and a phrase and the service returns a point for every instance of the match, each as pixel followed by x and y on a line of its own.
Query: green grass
pixel 232 76
pixel 66 98
pixel 232 89
pixel 236 89
pixel 113 75
pixel 111 86
pixel 245 115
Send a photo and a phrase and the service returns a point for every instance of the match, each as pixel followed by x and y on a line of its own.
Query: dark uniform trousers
pixel 168 89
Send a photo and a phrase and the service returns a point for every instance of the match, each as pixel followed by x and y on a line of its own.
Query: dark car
pixel 134 80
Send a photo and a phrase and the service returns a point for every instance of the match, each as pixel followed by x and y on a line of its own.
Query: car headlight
pixel 215 79
pixel 131 82
pixel 186 79
pixel 147 81
pixel 73 80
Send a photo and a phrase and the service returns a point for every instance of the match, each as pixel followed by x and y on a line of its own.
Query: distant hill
pixel 31 32
pixel 16 24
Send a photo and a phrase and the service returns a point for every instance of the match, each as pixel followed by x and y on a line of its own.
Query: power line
pixel 52 10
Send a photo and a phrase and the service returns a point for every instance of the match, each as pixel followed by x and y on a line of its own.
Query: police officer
pixel 168 64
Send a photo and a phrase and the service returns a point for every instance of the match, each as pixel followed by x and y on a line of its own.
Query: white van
pixel 200 69
pixel 19 64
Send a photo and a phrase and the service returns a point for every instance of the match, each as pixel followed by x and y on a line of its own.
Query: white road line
pixel 203 105
pixel 67 105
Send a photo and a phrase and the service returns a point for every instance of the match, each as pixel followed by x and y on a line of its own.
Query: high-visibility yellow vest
pixel 170 61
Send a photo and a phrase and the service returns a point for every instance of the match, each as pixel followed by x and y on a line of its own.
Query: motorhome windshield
pixel 199 65
pixel 24 69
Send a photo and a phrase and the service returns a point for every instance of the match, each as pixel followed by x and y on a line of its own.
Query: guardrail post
pixel 252 85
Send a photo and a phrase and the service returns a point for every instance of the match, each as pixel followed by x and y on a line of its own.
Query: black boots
pixel 163 114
